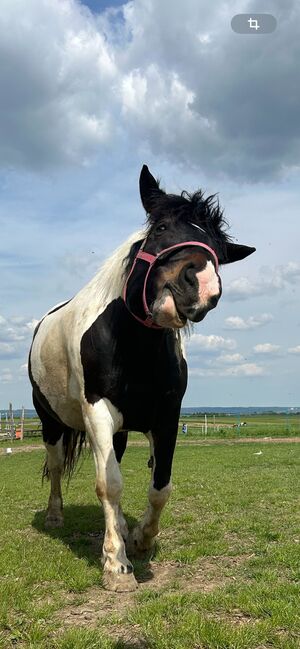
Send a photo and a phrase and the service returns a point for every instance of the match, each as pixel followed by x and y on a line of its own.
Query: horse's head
pixel 173 273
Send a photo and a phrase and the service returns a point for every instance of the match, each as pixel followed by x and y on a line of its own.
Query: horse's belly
pixel 137 407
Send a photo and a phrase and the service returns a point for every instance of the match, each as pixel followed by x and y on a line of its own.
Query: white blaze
pixel 208 282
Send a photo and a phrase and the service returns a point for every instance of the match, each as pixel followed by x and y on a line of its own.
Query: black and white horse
pixel 111 360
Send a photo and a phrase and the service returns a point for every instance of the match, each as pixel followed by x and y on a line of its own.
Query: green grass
pixel 226 569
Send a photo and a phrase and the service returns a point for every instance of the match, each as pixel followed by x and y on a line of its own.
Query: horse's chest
pixel 134 373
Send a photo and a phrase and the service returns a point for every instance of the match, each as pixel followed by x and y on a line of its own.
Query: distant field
pixel 225 574
pixel 246 426
pixel 266 425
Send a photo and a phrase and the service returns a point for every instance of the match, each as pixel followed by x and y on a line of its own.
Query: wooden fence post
pixel 11 421
pixel 22 422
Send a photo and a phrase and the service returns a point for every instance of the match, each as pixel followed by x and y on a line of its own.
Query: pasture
pixel 225 573
pixel 218 427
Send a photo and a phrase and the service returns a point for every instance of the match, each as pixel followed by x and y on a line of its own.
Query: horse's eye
pixel 161 228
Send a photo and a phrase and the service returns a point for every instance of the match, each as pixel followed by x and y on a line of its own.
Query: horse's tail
pixel 74 441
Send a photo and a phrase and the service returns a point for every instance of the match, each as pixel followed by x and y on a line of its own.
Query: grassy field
pixel 225 574
pixel 261 425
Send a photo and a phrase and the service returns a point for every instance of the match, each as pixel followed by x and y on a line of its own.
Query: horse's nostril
pixel 189 276
pixel 214 301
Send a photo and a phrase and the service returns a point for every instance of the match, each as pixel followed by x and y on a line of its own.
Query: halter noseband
pixel 151 259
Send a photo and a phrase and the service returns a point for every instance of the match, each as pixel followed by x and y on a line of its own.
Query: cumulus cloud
pixel 270 280
pixel 234 371
pixel 6 375
pixel 246 369
pixel 15 335
pixel 56 84
pixel 74 84
pixel 198 343
pixel 294 350
pixel 253 131
pixel 230 358
pixel 266 348
pixel 7 350
pixel 242 324
pixel 15 329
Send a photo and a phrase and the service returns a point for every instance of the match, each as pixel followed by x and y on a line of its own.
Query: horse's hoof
pixel 138 547
pixel 119 583
pixel 54 521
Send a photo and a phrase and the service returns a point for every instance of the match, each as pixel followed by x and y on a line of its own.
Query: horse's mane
pixel 108 283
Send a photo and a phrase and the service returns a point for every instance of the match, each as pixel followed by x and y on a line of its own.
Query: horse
pixel 111 360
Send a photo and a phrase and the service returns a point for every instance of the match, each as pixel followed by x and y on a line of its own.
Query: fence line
pixel 18 427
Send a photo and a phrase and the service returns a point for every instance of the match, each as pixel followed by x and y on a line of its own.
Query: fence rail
pixel 18 427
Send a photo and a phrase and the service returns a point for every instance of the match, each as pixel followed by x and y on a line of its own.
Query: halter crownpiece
pixel 151 259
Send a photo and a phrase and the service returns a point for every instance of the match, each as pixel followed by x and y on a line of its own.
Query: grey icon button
pixel 253 23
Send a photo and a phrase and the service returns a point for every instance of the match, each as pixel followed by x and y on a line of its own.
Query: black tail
pixel 74 441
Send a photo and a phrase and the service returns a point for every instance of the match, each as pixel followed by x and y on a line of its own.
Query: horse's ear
pixel 149 189
pixel 235 252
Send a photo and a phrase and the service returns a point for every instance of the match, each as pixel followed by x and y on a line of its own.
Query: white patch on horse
pixel 55 359
pixel 102 420
pixel 208 281
pixel 165 311
pixel 144 534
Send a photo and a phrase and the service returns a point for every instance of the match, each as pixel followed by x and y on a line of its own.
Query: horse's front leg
pixel 162 444
pixel 102 420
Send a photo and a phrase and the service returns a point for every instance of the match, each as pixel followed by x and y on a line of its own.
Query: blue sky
pixel 87 98
pixel 98 6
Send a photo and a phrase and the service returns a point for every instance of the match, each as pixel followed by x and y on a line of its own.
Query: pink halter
pixel 151 259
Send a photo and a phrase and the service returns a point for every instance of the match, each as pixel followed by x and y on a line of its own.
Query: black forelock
pixel 202 211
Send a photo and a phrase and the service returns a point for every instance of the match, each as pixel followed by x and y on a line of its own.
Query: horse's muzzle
pixel 196 313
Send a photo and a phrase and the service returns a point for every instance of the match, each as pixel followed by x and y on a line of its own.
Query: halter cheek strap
pixel 151 259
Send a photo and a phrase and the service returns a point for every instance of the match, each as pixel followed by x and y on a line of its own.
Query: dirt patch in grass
pixel 186 442
pixel 21 449
pixel 235 617
pixel 98 604
pixel 237 440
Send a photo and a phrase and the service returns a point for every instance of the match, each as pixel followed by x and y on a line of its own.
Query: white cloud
pixel 238 323
pixel 266 348
pixel 294 350
pixel 198 343
pixel 74 84
pixel 15 336
pixel 269 281
pixel 230 358
pixel 32 324
pixel 234 371
pixel 56 84
pixel 7 350
pixel 6 375
pixel 246 369
pixel 15 329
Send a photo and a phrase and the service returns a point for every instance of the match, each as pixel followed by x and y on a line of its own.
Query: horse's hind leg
pixel 54 465
pixel 54 469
